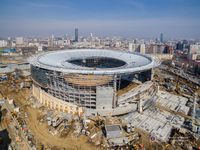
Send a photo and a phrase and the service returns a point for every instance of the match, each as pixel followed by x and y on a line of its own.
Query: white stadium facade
pixel 93 81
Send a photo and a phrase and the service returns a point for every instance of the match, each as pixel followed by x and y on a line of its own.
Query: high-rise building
pixel 130 47
pixel 134 47
pixel 19 41
pixel 180 46
pixel 161 37
pixel 9 42
pixel 91 35
pixel 194 52
pixel 40 48
pixel 3 43
pixel 51 41
pixel 76 35
pixel 194 49
pixel 142 48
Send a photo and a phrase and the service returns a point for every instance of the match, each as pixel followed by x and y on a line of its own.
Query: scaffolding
pixel 81 89
pixel 93 79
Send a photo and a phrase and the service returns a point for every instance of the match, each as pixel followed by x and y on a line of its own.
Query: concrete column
pixel 140 107
pixel 115 91
pixel 152 74
pixel 40 95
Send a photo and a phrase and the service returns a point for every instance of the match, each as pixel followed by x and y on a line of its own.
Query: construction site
pixel 150 108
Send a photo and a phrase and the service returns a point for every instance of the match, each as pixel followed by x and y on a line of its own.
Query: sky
pixel 127 18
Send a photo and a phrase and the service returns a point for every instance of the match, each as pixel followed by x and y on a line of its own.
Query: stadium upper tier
pixel 93 61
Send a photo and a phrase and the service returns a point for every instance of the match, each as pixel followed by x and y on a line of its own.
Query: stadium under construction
pixel 93 81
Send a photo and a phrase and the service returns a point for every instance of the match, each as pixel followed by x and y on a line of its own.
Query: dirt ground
pixel 49 140
pixel 40 131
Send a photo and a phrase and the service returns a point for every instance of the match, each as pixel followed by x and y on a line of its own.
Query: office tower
pixel 9 42
pixel 161 37
pixel 65 36
pixel 51 41
pixel 180 46
pixel 76 35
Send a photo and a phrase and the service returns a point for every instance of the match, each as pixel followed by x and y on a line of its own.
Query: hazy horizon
pixel 128 18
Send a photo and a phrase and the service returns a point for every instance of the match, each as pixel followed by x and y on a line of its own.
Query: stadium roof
pixel 60 61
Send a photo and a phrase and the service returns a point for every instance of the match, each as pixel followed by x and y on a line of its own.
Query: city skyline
pixel 128 18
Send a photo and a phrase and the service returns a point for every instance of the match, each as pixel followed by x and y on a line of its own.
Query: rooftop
pixel 93 61
pixel 112 128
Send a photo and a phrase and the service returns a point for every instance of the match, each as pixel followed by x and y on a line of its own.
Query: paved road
pixel 182 74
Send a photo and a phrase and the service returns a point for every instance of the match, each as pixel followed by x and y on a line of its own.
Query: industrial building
pixel 93 81
pixel 9 68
